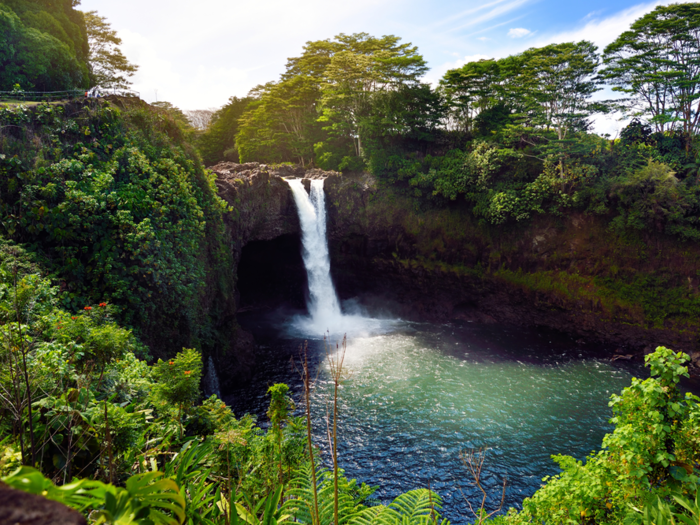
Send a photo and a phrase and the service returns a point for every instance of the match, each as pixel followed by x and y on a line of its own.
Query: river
pixel 414 395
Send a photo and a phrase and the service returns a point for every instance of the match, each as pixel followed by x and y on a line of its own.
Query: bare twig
pixel 474 462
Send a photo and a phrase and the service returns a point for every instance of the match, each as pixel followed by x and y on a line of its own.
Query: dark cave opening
pixel 271 274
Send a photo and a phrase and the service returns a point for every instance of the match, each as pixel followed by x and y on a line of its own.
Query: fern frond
pixel 415 507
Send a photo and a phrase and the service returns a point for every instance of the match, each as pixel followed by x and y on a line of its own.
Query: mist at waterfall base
pixel 416 394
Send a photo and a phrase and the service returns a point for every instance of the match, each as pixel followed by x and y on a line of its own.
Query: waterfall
pixel 325 316
pixel 211 380
pixel 323 304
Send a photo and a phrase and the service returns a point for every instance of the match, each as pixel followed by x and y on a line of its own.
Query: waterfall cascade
pixel 325 315
pixel 323 304
pixel 211 380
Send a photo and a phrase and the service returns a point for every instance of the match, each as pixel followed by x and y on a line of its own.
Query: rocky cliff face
pixel 628 294
pixel 263 219
pixel 262 203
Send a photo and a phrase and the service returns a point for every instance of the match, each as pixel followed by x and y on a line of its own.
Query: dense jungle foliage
pixel 113 245
pixel 117 204
pixel 43 46
pixel 88 423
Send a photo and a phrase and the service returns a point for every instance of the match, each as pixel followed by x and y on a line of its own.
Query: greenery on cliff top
pixel 507 139
pixel 43 46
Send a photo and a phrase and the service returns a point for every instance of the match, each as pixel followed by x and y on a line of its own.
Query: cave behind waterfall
pixel 271 274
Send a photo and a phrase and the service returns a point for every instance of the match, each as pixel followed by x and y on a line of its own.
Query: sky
pixel 197 54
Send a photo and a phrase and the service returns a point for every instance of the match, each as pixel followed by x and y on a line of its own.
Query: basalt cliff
pixel 623 294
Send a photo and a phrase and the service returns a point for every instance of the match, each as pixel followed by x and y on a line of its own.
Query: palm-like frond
pixel 416 507
pixel 300 504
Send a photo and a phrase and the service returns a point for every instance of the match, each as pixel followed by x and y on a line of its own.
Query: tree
pixel 556 83
pixel 474 88
pixel 657 63
pixel 218 142
pixel 36 59
pixel 363 66
pixel 321 107
pixel 174 112
pixel 281 124
pixel 109 68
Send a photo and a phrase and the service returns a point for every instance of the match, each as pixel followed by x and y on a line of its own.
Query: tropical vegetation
pixel 114 245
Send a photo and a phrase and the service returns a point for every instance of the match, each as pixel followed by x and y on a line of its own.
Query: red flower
pixel 74 318
pixel 88 308
pixel 103 304
pixel 188 372
pixel 171 363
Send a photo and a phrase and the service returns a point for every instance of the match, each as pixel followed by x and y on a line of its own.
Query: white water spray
pixel 324 307
pixel 325 314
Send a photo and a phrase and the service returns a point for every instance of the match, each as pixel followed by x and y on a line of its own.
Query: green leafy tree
pixel 475 88
pixel 278 412
pixel 361 67
pixel 109 68
pixel 547 88
pixel 178 381
pixel 280 123
pixel 174 113
pixel 556 83
pixel 657 63
pixel 322 105
pixel 218 142
pixel 34 58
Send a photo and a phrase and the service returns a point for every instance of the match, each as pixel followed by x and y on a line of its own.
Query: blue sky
pixel 197 54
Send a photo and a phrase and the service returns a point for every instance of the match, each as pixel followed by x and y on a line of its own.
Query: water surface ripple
pixel 412 399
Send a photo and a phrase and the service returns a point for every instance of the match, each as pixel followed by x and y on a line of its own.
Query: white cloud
pixel 499 10
pixel 433 77
pixel 462 14
pixel 198 55
pixel 161 78
pixel 518 32
pixel 601 31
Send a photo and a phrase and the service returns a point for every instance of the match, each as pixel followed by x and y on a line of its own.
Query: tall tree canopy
pixel 218 142
pixel 361 67
pixel 280 123
pixel 322 104
pixel 43 45
pixel 109 68
pixel 556 83
pixel 657 63
pixel 472 89
pixel 548 87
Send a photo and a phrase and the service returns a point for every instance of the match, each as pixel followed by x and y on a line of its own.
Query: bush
pixel 651 451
